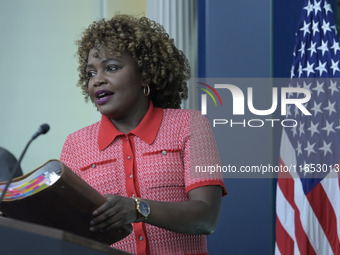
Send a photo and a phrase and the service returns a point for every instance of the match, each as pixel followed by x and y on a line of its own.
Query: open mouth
pixel 103 96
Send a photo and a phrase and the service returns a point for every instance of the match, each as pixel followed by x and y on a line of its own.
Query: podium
pixel 19 237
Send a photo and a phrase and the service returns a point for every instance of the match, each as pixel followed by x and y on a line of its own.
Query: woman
pixel 142 154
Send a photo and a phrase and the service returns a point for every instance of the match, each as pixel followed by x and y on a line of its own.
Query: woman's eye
pixel 112 68
pixel 90 74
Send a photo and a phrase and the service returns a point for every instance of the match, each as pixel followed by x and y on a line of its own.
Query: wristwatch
pixel 142 208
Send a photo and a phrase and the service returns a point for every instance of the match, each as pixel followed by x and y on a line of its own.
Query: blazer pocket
pixel 102 175
pixel 164 168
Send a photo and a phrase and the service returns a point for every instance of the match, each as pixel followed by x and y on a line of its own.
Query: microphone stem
pixel 14 169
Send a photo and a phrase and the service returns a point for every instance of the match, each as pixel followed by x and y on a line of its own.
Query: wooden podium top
pixel 58 235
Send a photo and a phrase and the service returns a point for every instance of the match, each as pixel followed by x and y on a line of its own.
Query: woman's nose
pixel 99 79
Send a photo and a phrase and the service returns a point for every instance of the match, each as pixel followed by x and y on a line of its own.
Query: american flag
pixel 308 200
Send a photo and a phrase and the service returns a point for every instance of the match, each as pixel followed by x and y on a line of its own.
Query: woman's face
pixel 115 85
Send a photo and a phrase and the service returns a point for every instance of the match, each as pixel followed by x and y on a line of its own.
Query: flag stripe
pixel 312 235
pixel 284 211
pixel 302 242
pixel 277 251
pixel 286 185
pixel 285 243
pixel 320 204
pixel 285 232
pixel 333 195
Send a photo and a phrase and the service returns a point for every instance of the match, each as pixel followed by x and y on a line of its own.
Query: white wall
pixel 132 7
pixel 38 71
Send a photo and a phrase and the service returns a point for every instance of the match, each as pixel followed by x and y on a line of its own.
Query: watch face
pixel 144 208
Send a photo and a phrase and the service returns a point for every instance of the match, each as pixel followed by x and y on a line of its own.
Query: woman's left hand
pixel 116 212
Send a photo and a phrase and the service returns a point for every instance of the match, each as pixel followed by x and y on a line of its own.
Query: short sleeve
pixel 68 153
pixel 201 157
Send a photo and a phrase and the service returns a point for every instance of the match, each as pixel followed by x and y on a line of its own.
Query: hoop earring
pixel 146 90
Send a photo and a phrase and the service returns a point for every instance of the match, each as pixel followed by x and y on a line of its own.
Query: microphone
pixel 43 129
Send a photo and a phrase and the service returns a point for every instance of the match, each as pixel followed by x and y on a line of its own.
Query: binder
pixel 54 196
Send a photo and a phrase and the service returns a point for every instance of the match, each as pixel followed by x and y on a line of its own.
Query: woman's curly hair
pixel 164 68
